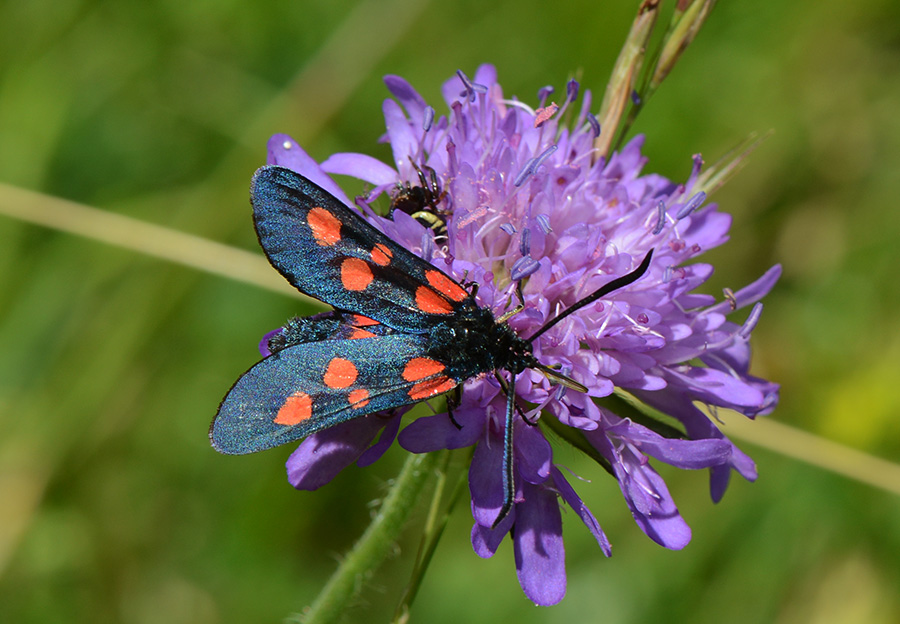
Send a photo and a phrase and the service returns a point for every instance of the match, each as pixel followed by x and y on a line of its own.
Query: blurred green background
pixel 113 507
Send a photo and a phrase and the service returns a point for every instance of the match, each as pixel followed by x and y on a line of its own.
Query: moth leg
pixel 509 485
pixel 453 400
pixel 505 387
pixel 519 306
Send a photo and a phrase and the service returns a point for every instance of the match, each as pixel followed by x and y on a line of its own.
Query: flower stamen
pixel 523 267
pixel 661 218
pixel 594 124
pixel 692 204
pixel 525 172
pixel 544 93
pixel 750 324
pixel 543 221
pixel 470 89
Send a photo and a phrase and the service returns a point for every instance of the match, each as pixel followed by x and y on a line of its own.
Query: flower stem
pixel 435 524
pixel 373 546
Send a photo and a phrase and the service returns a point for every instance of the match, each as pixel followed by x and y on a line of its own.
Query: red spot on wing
pixel 340 373
pixel 362 321
pixel 431 387
pixel 358 398
pixel 430 302
pixel 296 409
pixel 381 255
pixel 420 368
pixel 326 228
pixel 356 274
pixel 356 332
pixel 446 286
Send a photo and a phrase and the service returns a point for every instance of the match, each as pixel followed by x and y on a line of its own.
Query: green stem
pixel 433 530
pixel 373 546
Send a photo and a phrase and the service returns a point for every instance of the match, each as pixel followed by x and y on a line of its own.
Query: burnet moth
pixel 402 330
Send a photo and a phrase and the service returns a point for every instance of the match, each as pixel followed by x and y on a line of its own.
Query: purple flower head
pixel 526 203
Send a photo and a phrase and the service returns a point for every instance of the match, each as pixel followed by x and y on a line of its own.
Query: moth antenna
pixel 616 284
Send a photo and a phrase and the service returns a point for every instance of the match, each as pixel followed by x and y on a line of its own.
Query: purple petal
pixel 655 511
pixel 571 497
pixel 321 456
pixel 646 494
pixel 434 433
pixel 486 75
pixel 689 454
pixel 720 475
pixel 284 152
pixel 414 103
pixel 707 229
pixel 538 544
pixel 533 453
pixel 718 388
pixel 403 138
pixel 699 426
pixel 734 357
pixel 388 435
pixel 361 166
pixel 750 293
pixel 486 541
pixel 485 482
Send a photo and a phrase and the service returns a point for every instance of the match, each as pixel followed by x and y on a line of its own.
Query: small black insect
pixel 421 202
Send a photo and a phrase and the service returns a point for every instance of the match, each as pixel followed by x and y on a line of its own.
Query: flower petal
pixel 434 433
pixel 645 492
pixel 571 497
pixel 388 435
pixel 485 482
pixel 361 166
pixel 533 453
pixel 688 454
pixel 321 456
pixel 414 103
pixel 285 152
pixel 717 388
pixel 486 541
pixel 538 545
pixel 750 293
pixel 699 426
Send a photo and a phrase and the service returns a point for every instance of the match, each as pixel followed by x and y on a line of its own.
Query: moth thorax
pixel 512 353
pixel 468 342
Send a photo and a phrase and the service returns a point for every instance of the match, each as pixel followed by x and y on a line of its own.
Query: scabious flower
pixel 527 201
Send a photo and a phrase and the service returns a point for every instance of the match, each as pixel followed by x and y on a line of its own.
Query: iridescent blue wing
pixel 310 386
pixel 329 252
pixel 333 325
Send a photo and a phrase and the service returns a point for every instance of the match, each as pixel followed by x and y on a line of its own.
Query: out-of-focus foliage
pixel 113 507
